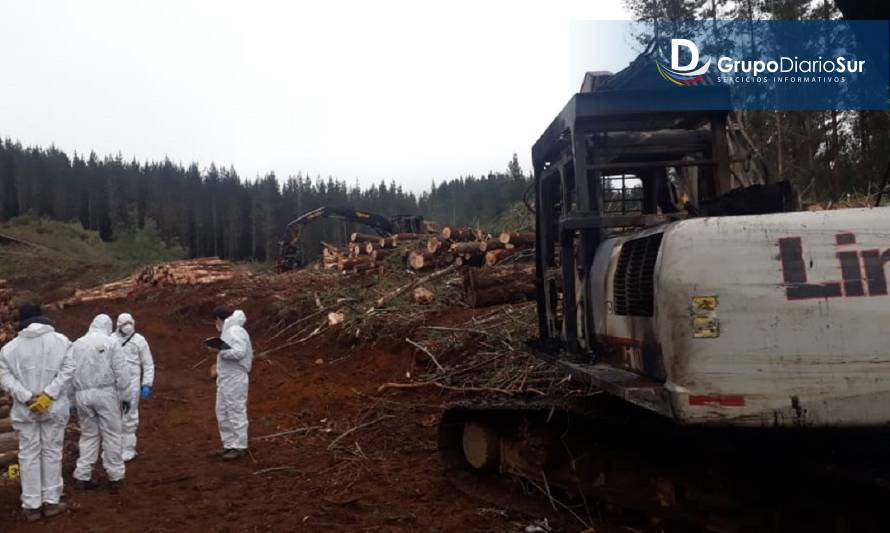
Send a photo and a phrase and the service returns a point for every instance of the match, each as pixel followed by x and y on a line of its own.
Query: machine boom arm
pixel 291 250
pixel 378 223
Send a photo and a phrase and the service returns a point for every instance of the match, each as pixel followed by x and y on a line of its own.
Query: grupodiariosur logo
pixel 686 74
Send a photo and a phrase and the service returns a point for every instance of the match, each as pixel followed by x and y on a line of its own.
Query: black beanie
pixel 27 311
pixel 222 313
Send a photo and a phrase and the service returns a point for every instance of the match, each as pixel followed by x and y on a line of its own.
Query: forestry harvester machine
pixel 291 254
pixel 735 348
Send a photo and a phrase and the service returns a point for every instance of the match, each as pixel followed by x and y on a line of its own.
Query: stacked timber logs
pixel 402 238
pixel 462 234
pixel 8 314
pixel 487 286
pixel 117 290
pixel 470 247
pixel 365 253
pixel 463 247
pixel 359 257
pixel 190 272
pixel 423 259
pixel 9 441
pixel 330 255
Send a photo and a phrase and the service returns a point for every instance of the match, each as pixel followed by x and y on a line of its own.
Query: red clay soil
pixel 382 477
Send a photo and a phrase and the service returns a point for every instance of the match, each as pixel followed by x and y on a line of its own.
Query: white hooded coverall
pixel 101 381
pixel 142 372
pixel 232 378
pixel 37 361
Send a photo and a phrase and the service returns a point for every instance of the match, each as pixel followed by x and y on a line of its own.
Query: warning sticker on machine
pixel 704 317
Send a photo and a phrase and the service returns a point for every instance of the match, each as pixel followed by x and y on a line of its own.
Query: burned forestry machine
pixel 734 347
pixel 291 254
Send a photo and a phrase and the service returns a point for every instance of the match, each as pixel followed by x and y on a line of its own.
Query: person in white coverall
pixel 36 368
pixel 102 389
pixel 142 376
pixel 232 379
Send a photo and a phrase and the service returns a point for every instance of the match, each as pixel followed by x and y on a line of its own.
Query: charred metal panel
pixel 628 386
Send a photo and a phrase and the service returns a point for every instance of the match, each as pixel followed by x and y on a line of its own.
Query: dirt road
pixel 383 476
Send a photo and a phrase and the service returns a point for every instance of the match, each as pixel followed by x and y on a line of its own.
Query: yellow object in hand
pixel 12 471
pixel 41 404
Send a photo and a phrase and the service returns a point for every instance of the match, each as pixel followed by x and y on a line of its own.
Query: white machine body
pixel 767 320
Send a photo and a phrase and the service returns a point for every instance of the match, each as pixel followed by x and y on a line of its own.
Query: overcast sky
pixel 411 91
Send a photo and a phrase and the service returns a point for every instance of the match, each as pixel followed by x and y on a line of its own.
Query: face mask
pixel 127 329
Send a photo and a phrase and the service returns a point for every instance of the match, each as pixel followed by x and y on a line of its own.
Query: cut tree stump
pixel 496 256
pixel 433 245
pixel 423 259
pixel 460 234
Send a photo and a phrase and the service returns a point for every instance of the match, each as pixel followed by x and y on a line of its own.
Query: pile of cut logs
pixel 365 252
pixel 8 313
pixel 9 441
pixel 469 247
pixel 495 270
pixel 189 272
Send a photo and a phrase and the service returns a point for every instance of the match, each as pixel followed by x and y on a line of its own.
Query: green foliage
pixel 517 217
pixel 145 245
pixel 50 258
pixel 64 238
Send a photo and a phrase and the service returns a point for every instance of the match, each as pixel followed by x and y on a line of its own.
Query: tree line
pixel 215 212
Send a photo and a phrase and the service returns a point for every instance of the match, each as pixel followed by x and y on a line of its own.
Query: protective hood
pixel 238 318
pixel 125 318
pixel 126 326
pixel 101 324
pixel 36 329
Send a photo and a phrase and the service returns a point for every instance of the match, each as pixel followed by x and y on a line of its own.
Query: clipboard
pixel 216 343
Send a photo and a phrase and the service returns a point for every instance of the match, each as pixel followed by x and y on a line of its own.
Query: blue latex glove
pixel 146 391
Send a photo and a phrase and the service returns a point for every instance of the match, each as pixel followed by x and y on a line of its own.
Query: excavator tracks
pixel 602 455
